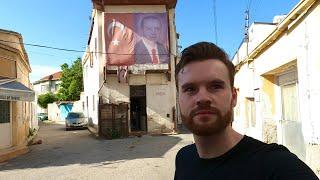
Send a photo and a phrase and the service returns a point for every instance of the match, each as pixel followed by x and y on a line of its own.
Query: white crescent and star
pixel 110 30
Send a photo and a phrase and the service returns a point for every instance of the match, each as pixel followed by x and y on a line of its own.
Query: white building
pixel 277 82
pixel 143 100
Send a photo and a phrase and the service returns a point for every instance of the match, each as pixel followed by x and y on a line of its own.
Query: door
pixel 138 113
pixel 5 124
pixel 292 136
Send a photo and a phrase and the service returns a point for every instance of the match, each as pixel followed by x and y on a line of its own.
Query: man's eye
pixel 189 90
pixel 216 86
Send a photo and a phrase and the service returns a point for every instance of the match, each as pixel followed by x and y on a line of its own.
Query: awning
pixel 12 90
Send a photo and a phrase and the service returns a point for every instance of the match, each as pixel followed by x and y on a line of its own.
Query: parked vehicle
pixel 76 120
pixel 42 116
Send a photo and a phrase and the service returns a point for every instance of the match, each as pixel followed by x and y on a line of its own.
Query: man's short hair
pixel 149 17
pixel 203 51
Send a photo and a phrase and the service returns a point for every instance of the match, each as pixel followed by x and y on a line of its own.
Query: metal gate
pixel 113 120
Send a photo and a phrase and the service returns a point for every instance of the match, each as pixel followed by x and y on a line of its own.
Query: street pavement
pixel 77 154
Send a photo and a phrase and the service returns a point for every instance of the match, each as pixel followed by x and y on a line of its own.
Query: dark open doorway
pixel 138 114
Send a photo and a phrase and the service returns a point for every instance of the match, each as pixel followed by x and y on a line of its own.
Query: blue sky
pixel 65 24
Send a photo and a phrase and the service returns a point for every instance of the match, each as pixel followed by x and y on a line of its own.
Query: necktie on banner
pixel 155 59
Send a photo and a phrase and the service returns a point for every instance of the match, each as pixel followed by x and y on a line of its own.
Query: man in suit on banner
pixel 149 50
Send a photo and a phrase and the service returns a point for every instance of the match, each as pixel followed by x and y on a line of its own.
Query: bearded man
pixel 205 78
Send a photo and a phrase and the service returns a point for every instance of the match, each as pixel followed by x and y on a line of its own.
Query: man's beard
pixel 212 126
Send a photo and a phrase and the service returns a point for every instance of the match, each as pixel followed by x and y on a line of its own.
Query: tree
pixel 45 99
pixel 71 81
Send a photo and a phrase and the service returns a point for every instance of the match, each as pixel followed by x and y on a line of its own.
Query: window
pixel 104 74
pixel 44 88
pixel 95 47
pixel 86 72
pixel 93 102
pixel 4 112
pixel 87 102
pixel 56 87
pixel 91 59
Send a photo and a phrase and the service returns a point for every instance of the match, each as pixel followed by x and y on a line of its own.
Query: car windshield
pixel 75 115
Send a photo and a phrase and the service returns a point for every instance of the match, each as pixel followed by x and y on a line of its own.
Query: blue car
pixel 76 120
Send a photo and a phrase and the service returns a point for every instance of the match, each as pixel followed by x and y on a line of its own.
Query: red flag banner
pixel 119 38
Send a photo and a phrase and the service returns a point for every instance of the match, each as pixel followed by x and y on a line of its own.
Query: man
pixel 205 78
pixel 149 50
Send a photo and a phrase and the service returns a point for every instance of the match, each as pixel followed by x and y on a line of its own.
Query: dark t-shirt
pixel 249 159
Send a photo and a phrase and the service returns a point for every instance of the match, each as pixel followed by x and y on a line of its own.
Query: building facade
pixel 45 85
pixel 128 87
pixel 17 114
pixel 277 82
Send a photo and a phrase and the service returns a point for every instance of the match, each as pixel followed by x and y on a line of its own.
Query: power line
pixel 73 50
pixel 215 20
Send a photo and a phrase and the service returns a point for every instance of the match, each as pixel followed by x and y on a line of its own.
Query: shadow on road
pixel 62 148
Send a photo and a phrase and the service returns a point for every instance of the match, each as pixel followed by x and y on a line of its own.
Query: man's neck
pixel 217 144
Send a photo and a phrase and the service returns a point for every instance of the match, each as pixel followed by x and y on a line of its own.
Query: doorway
pixel 292 136
pixel 5 124
pixel 138 114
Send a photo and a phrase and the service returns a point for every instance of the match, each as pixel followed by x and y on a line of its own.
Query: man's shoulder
pixel 185 151
pixel 279 161
pixel 265 150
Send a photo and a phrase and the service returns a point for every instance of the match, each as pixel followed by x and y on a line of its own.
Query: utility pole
pixel 246 30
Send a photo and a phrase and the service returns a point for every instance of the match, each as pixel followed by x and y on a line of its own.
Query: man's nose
pixel 203 97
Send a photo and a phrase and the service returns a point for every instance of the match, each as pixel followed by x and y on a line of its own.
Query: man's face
pixel 151 29
pixel 206 98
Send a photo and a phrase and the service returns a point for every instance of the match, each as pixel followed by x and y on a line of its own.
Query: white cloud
pixel 40 71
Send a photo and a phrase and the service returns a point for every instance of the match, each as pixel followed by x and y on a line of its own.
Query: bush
pixel 45 99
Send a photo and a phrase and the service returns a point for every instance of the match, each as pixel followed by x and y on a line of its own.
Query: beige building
pixel 135 98
pixel 278 83
pixel 16 97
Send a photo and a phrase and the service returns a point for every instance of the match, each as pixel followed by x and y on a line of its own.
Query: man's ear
pixel 234 97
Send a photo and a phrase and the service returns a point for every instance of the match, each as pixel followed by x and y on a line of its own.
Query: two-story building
pixel 129 84
pixel 45 85
pixel 17 114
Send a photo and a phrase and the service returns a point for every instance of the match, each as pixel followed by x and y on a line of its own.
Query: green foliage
pixel 71 81
pixel 45 99
pixel 113 133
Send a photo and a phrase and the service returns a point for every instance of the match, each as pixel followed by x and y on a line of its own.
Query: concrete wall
pixel 53 112
pixel 159 117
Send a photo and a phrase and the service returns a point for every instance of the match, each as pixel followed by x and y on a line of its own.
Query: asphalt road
pixel 79 155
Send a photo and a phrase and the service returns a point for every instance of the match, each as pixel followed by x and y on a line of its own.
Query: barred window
pixel 4 112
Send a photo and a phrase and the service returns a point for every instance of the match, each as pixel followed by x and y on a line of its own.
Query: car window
pixel 73 115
